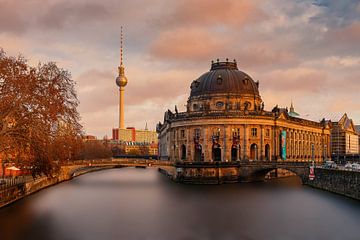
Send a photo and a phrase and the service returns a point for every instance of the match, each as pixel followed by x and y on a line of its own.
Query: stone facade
pixel 344 137
pixel 226 121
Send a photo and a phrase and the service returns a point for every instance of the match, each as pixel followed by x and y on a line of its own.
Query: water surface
pixel 143 204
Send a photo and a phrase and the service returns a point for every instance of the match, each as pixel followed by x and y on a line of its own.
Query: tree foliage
pixel 95 149
pixel 39 122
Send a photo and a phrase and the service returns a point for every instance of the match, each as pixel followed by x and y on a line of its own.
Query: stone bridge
pixel 196 172
pixel 81 167
pixel 256 171
pixel 239 171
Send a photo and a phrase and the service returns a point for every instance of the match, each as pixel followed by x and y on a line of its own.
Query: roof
pixel 317 117
pixel 357 128
pixel 224 78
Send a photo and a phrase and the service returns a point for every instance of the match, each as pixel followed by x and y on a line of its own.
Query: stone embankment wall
pixel 338 181
pixel 22 190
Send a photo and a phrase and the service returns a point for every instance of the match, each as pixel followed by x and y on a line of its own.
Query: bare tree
pixel 39 122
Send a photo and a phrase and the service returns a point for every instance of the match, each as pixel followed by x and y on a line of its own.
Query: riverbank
pixel 19 191
pixel 342 182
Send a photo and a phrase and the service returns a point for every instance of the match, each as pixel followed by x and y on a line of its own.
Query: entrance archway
pixel 254 152
pixel 183 152
pixel 234 152
pixel 216 152
pixel 267 152
pixel 197 153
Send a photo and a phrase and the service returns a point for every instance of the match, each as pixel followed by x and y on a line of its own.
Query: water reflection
pixel 143 204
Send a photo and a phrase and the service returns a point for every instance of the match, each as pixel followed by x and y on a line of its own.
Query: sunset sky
pixel 307 51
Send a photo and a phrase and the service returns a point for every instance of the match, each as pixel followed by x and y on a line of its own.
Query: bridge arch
pixel 258 173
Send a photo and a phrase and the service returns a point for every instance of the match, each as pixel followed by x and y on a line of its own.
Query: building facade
pixel 225 121
pixel 344 137
pixel 131 134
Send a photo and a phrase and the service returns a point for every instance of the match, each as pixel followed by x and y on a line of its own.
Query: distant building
pixel 131 134
pixel 357 127
pixel 344 137
pixel 123 148
pixel 89 138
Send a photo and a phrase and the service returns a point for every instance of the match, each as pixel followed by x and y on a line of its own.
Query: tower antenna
pixel 121 46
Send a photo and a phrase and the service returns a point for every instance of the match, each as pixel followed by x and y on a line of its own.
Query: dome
pixel 224 78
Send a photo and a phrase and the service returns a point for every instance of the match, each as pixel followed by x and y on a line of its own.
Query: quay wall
pixel 20 191
pixel 342 182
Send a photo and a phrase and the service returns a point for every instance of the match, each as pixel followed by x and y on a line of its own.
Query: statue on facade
pixel 176 111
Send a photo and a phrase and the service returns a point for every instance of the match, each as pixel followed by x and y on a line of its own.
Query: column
pixel 245 157
pixel 224 153
pixel 204 144
pixel 188 156
pixel 261 143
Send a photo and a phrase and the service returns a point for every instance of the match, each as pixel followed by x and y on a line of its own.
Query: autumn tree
pixel 95 149
pixel 39 122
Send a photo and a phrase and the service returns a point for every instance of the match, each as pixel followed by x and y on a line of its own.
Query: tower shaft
pixel 121 108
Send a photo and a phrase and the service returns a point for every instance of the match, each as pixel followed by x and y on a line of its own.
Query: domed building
pixel 225 121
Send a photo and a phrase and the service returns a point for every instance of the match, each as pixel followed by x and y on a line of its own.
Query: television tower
pixel 121 81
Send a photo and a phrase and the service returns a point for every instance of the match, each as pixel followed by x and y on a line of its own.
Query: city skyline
pixel 301 51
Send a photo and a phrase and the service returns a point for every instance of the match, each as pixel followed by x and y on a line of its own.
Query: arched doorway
pixel 197 152
pixel 183 152
pixel 234 152
pixel 254 152
pixel 216 152
pixel 267 152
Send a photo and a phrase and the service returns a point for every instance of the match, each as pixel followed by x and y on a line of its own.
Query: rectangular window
pixel 197 132
pixel 254 132
pixel 267 132
pixel 182 133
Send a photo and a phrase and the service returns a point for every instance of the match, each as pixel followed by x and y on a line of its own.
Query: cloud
pixel 304 80
pixel 300 50
pixel 337 13
pixel 186 44
pixel 206 13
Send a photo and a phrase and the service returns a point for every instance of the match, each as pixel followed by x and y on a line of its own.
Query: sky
pixel 305 51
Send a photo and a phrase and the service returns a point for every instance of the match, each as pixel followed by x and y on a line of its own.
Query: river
pixel 132 203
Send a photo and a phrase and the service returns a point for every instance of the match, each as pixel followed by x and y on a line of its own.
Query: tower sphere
pixel 121 81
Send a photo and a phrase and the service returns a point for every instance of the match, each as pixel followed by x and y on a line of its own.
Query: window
pixel 195 107
pixel 267 133
pixel 219 104
pixel 254 132
pixel 197 132
pixel 182 132
pixel 219 80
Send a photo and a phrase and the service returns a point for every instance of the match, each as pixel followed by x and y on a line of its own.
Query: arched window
pixel 267 152
pixel 183 152
pixel 254 152
pixel 234 152
pixel 216 152
pixel 197 153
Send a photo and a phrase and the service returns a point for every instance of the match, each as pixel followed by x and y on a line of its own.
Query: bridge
pixel 80 167
pixel 236 171
pixel 198 172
